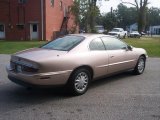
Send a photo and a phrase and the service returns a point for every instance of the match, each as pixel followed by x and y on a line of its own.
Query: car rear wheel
pixel 79 81
pixel 140 66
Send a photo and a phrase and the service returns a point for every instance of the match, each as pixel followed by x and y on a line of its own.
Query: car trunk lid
pixel 37 54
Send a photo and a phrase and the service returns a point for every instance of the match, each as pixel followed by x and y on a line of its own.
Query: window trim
pixel 117 39
pixel 96 50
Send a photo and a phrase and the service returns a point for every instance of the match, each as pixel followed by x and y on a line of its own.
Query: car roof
pixel 89 35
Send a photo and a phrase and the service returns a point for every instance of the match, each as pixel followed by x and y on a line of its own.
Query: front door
pixel 34 31
pixel 116 50
pixel 116 60
pixel 2 31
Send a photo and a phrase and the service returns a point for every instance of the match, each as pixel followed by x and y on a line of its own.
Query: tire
pixel 119 36
pixel 124 36
pixel 140 66
pixel 29 88
pixel 79 81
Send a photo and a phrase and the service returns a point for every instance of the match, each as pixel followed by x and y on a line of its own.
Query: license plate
pixel 19 68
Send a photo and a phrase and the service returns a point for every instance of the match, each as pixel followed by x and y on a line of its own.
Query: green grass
pixel 151 45
pixel 8 47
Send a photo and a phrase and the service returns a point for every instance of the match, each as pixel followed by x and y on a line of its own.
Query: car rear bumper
pixel 44 79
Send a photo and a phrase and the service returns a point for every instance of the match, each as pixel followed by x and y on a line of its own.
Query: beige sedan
pixel 74 61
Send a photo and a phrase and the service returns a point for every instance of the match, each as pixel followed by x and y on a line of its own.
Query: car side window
pixel 113 43
pixel 97 44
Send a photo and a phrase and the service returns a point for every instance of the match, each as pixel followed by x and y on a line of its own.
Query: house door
pixel 2 31
pixel 33 31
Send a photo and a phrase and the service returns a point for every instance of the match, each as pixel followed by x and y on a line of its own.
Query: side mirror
pixel 130 48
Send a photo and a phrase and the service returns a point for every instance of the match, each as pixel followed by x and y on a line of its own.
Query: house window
pixel 1 28
pixel 22 1
pixel 60 4
pixel 35 29
pixel 52 3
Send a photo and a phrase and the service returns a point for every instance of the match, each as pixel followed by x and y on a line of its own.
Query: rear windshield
pixel 64 44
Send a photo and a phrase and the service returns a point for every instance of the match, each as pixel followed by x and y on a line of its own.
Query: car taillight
pixel 22 68
pixel 12 65
pixel 29 69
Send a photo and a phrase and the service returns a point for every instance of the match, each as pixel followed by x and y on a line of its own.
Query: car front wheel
pixel 119 36
pixel 139 69
pixel 124 36
pixel 79 81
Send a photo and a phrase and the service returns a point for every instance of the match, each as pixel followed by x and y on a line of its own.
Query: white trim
pixel 54 73
pixel 31 31
pixel 121 62
pixel 101 66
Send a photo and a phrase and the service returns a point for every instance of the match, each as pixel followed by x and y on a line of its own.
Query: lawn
pixel 152 45
pixel 8 47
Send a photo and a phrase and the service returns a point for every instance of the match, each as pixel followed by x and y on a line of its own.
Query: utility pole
pixel 111 12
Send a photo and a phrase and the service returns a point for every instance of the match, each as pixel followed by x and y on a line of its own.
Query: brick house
pixel 34 19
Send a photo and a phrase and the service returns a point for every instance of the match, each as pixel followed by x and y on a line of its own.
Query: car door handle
pixel 111 56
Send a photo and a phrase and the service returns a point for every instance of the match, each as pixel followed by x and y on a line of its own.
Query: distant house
pixel 34 19
pixel 133 27
pixel 155 30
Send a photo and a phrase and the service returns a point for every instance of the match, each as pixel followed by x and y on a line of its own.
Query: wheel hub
pixel 141 65
pixel 81 81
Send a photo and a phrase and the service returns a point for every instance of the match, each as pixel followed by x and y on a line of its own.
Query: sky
pixel 105 6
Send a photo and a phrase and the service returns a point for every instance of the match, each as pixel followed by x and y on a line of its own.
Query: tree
pixel 109 20
pixel 141 6
pixel 85 12
pixel 153 13
pixel 81 10
pixel 121 17
pixel 125 16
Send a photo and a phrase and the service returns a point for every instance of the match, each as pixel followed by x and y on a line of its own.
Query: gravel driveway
pixel 4 60
pixel 120 97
